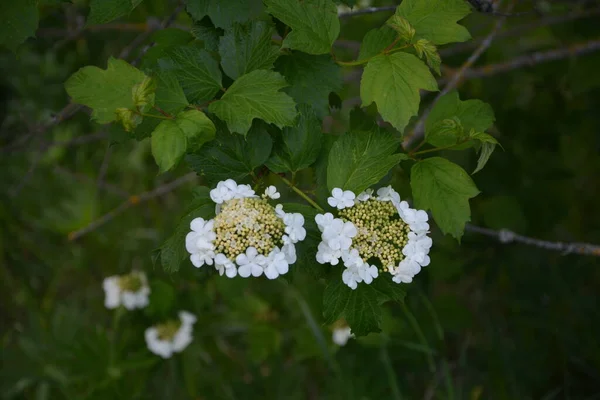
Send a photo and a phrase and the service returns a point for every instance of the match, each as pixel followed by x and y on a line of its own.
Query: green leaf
pixel 375 41
pixel 224 13
pixel 255 95
pixel 172 252
pixel 444 188
pixel 168 145
pixel 311 79
pixel 393 82
pixel 361 307
pixel 102 11
pixel 172 138
pixel 165 40
pixel 209 35
pixel 246 48
pixel 435 20
pixel 144 94
pixel 197 72
pixel 169 93
pixel 299 146
pixel 105 90
pixel 231 155
pixel 446 132
pixel 473 114
pixel 18 21
pixel 360 159
pixel 315 24
pixel 128 118
pixel 424 47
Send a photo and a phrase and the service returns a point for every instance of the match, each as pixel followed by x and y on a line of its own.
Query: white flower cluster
pixel 380 227
pixel 171 337
pixel 248 236
pixel 131 291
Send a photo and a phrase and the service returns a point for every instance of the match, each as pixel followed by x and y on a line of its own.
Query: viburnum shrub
pixel 244 99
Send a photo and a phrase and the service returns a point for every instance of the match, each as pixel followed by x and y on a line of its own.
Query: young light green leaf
pixel 315 24
pixel 401 25
pixel 224 13
pixel 231 155
pixel 128 118
pixel 246 48
pixel 299 146
pixel 375 41
pixel 144 94
pixel 361 307
pixel 485 152
pixel 168 145
pixel 488 144
pixel 473 114
pixel 197 72
pixel 255 95
pixel 105 90
pixel 311 79
pixel 424 47
pixel 103 11
pixel 393 83
pixel 172 138
pixel 18 21
pixel 444 188
pixel 435 20
pixel 360 159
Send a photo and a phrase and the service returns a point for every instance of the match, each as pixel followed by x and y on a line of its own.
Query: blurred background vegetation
pixel 485 320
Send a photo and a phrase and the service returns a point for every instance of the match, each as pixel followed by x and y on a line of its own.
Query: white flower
pixel 366 195
pixel 131 291
pixel 176 341
pixel 276 264
pixel 340 336
pixel 341 198
pixel 272 193
pixel 251 263
pixel 388 194
pixel 351 277
pixel 326 254
pixel 369 237
pixel 251 233
pixel 339 234
pixel 324 220
pixel 225 266
pixel 290 253
pixel 294 227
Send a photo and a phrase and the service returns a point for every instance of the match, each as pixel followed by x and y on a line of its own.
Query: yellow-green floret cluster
pixel 131 282
pixel 381 232
pixel 247 222
pixel 167 330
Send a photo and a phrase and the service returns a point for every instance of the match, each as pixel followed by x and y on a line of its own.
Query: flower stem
pixel 434 149
pixel 301 193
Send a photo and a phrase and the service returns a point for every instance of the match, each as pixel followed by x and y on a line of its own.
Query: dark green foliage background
pixel 484 321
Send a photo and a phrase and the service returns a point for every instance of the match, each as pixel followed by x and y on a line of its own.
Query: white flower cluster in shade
pixel 341 335
pixel 171 337
pixel 338 237
pixel 131 291
pixel 203 242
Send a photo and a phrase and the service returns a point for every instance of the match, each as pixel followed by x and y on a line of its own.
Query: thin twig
pixel 419 128
pixel 132 201
pixel 506 236
pixel 521 29
pixel 368 10
pixel 534 59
